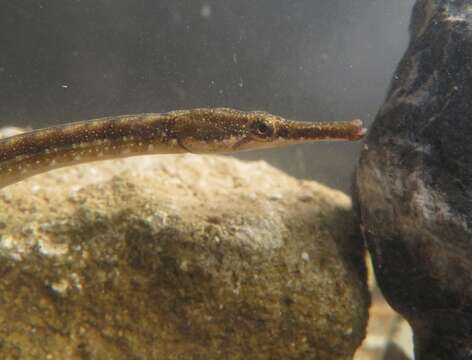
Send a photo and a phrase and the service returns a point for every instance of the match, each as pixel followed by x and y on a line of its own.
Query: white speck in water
pixel 64 86
pixel 205 11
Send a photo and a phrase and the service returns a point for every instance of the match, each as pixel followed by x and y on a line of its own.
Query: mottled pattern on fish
pixel 218 130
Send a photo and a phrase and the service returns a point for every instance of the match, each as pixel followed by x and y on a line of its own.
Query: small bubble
pixel 205 11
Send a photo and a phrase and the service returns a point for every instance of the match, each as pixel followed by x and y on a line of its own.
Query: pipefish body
pixel 218 130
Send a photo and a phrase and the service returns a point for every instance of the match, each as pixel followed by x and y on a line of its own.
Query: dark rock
pixel 414 183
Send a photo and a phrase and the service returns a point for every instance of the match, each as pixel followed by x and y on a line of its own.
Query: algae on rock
pixel 175 257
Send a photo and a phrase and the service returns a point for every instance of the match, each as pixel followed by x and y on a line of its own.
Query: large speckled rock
pixel 178 257
pixel 415 182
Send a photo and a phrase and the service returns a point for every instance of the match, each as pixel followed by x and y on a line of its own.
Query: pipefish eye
pixel 262 129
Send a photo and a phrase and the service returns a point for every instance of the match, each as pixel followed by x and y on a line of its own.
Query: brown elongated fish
pixel 218 130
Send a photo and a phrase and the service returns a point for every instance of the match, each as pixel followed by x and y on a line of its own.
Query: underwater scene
pixel 236 179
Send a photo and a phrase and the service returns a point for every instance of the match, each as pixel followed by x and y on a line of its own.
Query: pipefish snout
pixel 218 130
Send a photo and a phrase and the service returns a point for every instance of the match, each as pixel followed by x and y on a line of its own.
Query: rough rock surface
pixel 178 257
pixel 414 183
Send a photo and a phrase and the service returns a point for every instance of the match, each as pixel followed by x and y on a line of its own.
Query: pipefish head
pixel 227 130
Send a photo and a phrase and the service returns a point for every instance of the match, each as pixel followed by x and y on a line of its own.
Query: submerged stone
pixel 414 182
pixel 179 257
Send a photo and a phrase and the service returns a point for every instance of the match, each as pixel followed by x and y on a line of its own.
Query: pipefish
pixel 205 130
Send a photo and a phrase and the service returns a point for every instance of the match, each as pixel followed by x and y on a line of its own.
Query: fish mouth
pixel 291 132
pixel 359 131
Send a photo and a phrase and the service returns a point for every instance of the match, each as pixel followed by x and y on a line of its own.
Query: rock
pixel 414 183
pixel 178 257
